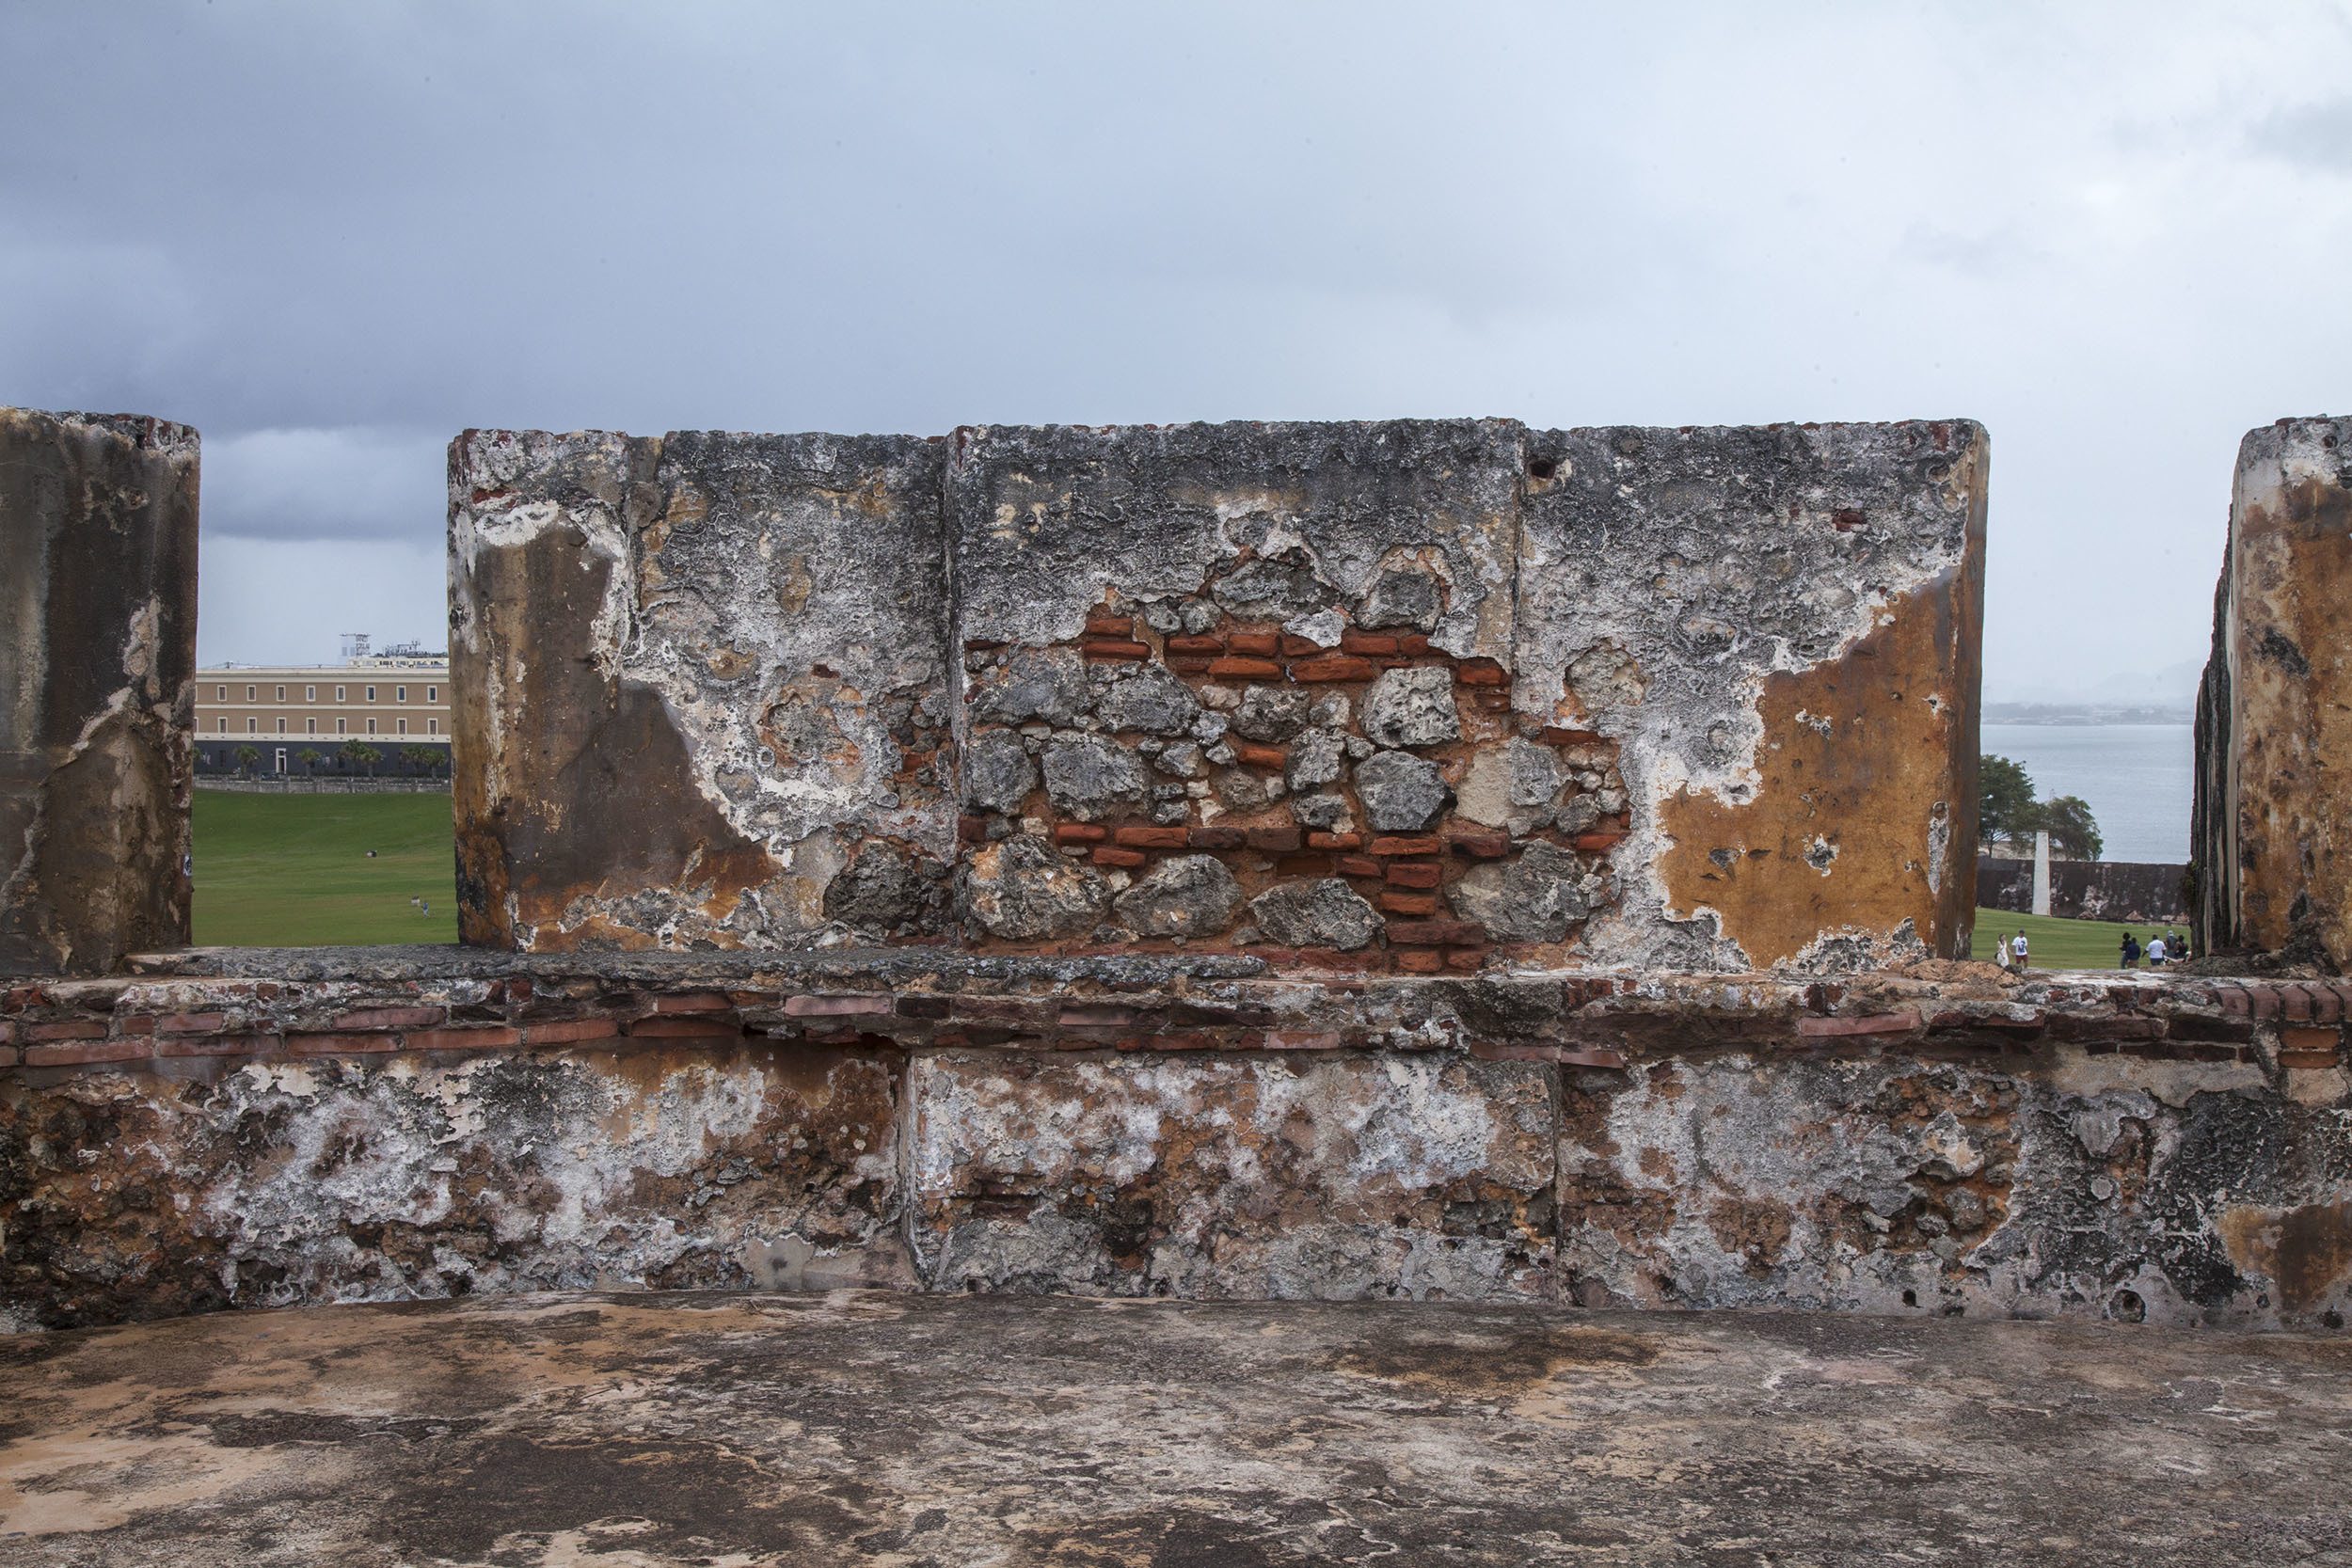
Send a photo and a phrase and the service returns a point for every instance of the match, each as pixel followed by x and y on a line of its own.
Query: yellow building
pixel 296 718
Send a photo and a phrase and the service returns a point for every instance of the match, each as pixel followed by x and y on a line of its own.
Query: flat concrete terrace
pixel 892 1429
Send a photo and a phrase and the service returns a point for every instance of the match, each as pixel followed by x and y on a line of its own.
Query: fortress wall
pixel 1401 696
pixel 97 694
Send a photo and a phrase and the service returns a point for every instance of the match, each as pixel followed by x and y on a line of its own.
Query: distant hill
pixel 2164 695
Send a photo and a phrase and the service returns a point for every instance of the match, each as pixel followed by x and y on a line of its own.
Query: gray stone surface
pixel 1325 913
pixel 1146 698
pixel 1185 895
pixel 1402 793
pixel 1539 896
pixel 1412 707
pixel 96 664
pixel 1271 713
pixel 1091 778
pixel 999 772
pixel 1020 889
pixel 663 1430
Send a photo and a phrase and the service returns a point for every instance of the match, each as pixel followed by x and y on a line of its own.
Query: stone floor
pixel 735 1429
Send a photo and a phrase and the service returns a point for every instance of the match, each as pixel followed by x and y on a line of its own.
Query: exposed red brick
pixel 923 1006
pixel 1332 667
pixel 856 1006
pixel 1414 643
pixel 1478 845
pixel 1110 626
pixel 1139 836
pixel 1304 1039
pixel 1357 866
pixel 390 1017
pixel 1334 841
pixel 1260 756
pixel 1436 933
pixel 125 1023
pixel 1410 903
pixel 982 644
pixel 327 1044
pixel 66 1029
pixel 1254 641
pixel 1097 1016
pixel 1367 642
pixel 220 1045
pixel 1080 832
pixel 1414 845
pixel 571 1031
pixel 676 1029
pixel 492 1038
pixel 1245 669
pixel 1606 839
pixel 1303 866
pixel 1190 664
pixel 1300 647
pixel 1130 650
pixel 1466 959
pixel 1196 644
pixel 1811 1027
pixel 1106 855
pixel 1421 960
pixel 1415 874
pixel 84 1052
pixel 1553 734
pixel 1275 841
pixel 1216 838
pixel 1481 672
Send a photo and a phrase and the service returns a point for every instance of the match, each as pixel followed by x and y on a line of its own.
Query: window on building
pixel 309 726
pixel 249 692
pixel 339 693
pixel 401 725
pixel 432 726
pixel 281 726
pixel 252 726
pixel 220 693
pixel 223 726
pixel 338 726
pixel 400 693
pixel 432 693
pixel 370 693
pixel 281 693
pixel 281 758
pixel 371 726
pixel 310 693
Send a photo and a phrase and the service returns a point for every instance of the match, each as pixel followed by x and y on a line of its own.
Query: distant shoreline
pixel 2052 715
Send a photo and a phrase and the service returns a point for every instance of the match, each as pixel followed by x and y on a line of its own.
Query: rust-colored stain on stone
pixel 1808 854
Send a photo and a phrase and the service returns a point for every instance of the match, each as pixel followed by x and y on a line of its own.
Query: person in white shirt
pixel 2155 952
pixel 2017 949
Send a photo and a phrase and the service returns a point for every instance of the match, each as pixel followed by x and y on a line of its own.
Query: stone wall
pixel 2274 722
pixel 1396 696
pixel 97 693
pixel 258 1129
pixel 2142 891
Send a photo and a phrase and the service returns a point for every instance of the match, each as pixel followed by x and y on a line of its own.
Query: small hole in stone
pixel 1546 467
pixel 2126 1306
pixel 1911 1298
pixel 2332 1317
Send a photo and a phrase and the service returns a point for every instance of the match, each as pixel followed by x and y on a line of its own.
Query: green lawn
pixel 292 870
pixel 2061 944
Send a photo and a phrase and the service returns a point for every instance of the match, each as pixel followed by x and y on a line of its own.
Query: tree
pixel 2074 831
pixel 2005 807
pixel 358 753
pixel 425 759
pixel 309 757
pixel 247 758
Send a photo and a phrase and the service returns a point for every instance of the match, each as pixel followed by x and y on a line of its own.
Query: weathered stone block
pixel 701 683
pixel 2087 1186
pixel 2273 817
pixel 1152 1175
pixel 1778 627
pixel 128 1194
pixel 96 664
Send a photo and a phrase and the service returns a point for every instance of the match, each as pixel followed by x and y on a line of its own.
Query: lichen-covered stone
pixel 1341 1177
pixel 1402 793
pixel 1412 707
pixel 2272 842
pixel 1316 758
pixel 1147 698
pixel 999 772
pixel 1048 685
pixel 1186 896
pixel 1018 889
pixel 1324 913
pixel 1778 627
pixel 887 891
pixel 97 698
pixel 1271 713
pixel 1409 599
pixel 690 674
pixel 1091 778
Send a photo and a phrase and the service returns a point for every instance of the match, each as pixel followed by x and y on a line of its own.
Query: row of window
pixel 311 693
pixel 311 726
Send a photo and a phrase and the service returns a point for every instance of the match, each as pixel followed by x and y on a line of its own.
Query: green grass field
pixel 292 870
pixel 2061 944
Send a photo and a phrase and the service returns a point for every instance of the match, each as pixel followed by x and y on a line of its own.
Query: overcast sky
pixel 331 237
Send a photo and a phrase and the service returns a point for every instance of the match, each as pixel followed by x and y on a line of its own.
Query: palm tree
pixel 247 758
pixel 309 757
pixel 358 753
pixel 426 760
